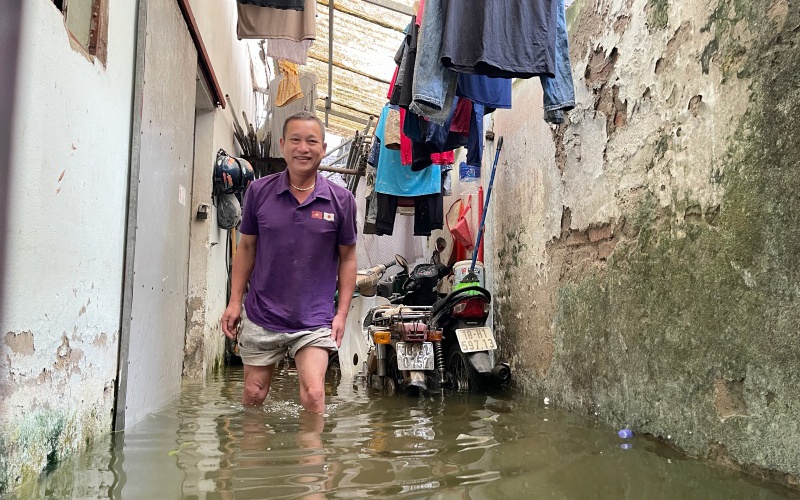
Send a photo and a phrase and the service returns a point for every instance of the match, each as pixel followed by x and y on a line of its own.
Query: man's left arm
pixel 347 286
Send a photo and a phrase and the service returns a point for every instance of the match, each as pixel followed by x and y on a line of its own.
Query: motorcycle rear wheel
pixel 392 381
pixel 333 374
pixel 460 373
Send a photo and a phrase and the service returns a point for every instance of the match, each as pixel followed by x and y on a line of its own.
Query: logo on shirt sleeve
pixel 328 216
pixel 316 214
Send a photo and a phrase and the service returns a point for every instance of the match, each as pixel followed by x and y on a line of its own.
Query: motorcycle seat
pixel 458 295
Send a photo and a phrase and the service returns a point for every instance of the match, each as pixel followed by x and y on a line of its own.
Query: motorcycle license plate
pixel 414 355
pixel 476 339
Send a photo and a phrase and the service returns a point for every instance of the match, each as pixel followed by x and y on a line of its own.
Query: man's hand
pixel 337 328
pixel 230 319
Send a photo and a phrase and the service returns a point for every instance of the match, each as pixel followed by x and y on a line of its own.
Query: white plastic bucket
pixel 461 269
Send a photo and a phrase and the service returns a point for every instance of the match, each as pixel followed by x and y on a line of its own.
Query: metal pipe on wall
pixel 329 100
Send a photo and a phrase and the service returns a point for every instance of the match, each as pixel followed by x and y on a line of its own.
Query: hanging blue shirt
pixel 491 92
pixel 397 179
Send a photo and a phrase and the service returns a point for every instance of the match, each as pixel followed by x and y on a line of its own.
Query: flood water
pixel 207 446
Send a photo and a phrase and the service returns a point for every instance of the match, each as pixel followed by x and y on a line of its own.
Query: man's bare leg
pixel 312 362
pixel 257 380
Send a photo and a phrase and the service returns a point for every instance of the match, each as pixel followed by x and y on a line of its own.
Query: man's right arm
pixel 243 264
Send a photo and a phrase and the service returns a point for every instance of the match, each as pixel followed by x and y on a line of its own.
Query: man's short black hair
pixel 306 116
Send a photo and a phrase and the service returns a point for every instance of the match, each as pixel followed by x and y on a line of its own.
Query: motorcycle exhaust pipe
pixel 502 373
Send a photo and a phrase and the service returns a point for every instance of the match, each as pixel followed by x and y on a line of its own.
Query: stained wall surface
pixel 64 255
pixel 646 251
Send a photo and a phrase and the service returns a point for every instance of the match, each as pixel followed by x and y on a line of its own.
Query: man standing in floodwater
pixel 298 241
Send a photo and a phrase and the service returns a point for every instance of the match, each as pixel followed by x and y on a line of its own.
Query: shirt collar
pixel 322 189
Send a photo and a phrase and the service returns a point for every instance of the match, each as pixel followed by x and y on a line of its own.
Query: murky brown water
pixel 457 446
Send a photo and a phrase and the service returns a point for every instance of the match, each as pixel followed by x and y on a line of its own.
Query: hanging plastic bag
pixel 229 211
pixel 460 230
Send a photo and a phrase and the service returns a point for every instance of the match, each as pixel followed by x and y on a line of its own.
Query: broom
pixel 471 279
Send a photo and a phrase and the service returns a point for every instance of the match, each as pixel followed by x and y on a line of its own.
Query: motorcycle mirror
pixel 441 244
pixel 401 261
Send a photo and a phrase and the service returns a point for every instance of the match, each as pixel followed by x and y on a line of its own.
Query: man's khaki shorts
pixel 259 346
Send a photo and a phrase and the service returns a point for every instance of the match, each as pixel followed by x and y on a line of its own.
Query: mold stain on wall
pixel 679 316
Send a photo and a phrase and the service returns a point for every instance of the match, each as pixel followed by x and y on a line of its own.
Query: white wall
pixel 66 238
pixel 207 268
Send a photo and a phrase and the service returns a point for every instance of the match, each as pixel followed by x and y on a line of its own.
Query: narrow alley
pixel 546 247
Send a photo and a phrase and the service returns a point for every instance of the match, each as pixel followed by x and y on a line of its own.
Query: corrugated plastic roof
pixel 365 39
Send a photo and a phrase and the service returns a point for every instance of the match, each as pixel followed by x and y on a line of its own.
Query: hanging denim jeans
pixel 434 85
pixel 559 92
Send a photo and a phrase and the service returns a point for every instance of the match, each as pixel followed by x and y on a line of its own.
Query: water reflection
pixel 207 446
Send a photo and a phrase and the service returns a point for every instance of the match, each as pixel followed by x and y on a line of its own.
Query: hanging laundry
pixel 434 85
pixel 428 137
pixel 289 87
pixel 290 50
pixel 308 85
pixel 559 91
pixel 268 23
pixel 392 130
pixel 475 139
pixel 447 182
pixel 401 91
pixel 276 4
pixel 428 213
pixel 443 159
pixel 395 179
pixel 493 93
pixel 406 144
pixel 500 39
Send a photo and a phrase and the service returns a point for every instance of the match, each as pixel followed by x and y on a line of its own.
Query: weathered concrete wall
pixel 647 251
pixel 165 162
pixel 58 338
pixel 207 296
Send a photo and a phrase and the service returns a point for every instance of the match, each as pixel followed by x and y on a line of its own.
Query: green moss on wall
pixel 688 302
pixel 657 15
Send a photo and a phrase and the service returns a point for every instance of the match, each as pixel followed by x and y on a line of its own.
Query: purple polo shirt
pixel 293 283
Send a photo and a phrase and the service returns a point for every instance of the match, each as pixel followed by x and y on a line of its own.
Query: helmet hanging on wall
pixel 231 175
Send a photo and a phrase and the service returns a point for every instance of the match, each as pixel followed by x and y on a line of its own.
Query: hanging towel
pixel 291 50
pixel 289 87
pixel 276 4
pixel 392 131
pixel 265 22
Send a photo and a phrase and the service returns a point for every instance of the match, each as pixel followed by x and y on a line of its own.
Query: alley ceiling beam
pixel 351 108
pixel 359 15
pixel 395 6
pixel 343 116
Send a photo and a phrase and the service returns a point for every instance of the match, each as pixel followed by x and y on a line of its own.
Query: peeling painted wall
pixel 646 257
pixel 58 337
pixel 207 297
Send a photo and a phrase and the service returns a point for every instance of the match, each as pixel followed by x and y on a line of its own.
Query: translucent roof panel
pixel 365 40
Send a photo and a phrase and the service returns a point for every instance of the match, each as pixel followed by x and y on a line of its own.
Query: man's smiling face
pixel 303 146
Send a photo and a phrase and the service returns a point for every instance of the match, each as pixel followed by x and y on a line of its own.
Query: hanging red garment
pixel 391 85
pixel 446 158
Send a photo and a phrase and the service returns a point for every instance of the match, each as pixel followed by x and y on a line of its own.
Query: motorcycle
pixel 430 342
pixel 371 291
